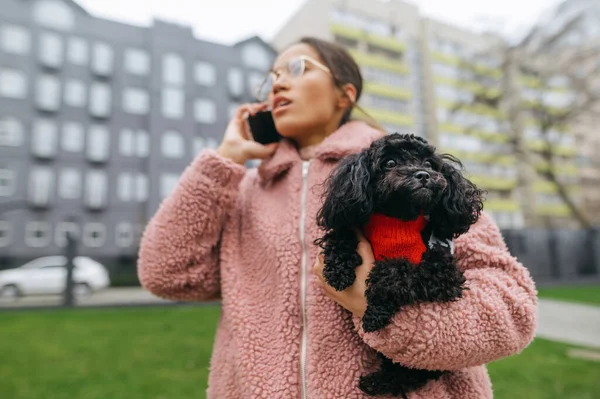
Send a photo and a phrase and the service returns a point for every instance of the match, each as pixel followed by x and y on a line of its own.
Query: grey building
pixel 98 119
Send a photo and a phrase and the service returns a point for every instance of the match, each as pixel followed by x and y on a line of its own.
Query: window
pixel 15 40
pixel 7 182
pixel 69 183
pixel 141 187
pixel 72 137
pixel 256 56
pixel 53 14
pixel 173 69
pixel 98 144
pixel 206 74
pixel 232 109
pixel 124 235
pixel 127 143
pixel 235 81
pixel 173 103
pixel 94 235
pixel 13 83
pixel 96 186
pixel 47 96
pixel 45 138
pixel 205 110
pixel 384 77
pixel 64 228
pixel 41 186
pixel 132 143
pixel 199 145
pixel 255 80
pixel 142 144
pixel 132 186
pixel 37 234
pixel 51 50
pixel 75 93
pixel 79 52
pixel 125 187
pixel 137 62
pixel 172 145
pixel 11 132
pixel 136 101
pixel 102 63
pixel 5 233
pixel 100 100
pixel 167 184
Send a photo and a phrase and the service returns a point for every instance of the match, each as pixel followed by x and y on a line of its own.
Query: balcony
pixel 489 182
pixel 388 91
pixel 376 61
pixel 385 42
pixel 500 205
pixel 465 64
pixel 395 118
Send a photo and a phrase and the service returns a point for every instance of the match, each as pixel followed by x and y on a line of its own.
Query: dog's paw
pixel 339 271
pixel 339 277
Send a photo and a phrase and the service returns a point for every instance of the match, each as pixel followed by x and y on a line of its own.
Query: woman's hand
pixel 353 297
pixel 237 143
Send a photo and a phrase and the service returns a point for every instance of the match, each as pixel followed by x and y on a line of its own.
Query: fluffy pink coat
pixel 234 234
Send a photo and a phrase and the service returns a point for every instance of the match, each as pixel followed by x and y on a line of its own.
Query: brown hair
pixel 343 68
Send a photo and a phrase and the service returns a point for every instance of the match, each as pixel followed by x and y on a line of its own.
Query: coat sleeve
pixel 495 318
pixel 179 251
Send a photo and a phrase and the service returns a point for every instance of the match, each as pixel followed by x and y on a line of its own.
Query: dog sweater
pixel 393 238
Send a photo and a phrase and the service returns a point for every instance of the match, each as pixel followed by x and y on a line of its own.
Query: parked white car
pixel 47 275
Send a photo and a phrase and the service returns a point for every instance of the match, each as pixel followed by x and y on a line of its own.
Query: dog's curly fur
pixel 401 176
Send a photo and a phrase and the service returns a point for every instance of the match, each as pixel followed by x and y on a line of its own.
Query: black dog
pixel 400 178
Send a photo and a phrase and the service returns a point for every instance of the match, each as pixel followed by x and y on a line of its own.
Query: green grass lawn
pixel 153 353
pixel 589 294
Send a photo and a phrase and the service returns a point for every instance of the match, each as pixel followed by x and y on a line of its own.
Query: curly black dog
pixel 401 182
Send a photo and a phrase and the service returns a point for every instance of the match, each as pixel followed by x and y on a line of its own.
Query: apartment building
pixel 99 118
pixel 420 75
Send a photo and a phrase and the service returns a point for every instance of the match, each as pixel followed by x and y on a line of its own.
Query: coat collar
pixel 350 138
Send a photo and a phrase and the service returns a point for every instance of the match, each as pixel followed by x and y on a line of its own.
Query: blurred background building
pixel 418 71
pixel 98 119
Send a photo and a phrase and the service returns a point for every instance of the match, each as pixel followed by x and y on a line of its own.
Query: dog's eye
pixel 390 163
pixel 427 164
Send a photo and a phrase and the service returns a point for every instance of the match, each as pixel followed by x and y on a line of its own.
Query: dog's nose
pixel 422 176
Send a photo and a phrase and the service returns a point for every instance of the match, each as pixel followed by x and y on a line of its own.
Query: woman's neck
pixel 308 143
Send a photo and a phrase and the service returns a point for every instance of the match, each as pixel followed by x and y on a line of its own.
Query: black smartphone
pixel 263 128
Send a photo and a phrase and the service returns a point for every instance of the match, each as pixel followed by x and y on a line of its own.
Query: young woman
pixel 245 237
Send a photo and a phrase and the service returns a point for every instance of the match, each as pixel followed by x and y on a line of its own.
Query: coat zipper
pixel 305 165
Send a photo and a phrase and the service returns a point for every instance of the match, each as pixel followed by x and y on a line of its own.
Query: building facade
pixel 417 72
pixel 98 119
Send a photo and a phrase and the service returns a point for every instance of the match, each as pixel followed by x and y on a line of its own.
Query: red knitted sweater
pixel 395 238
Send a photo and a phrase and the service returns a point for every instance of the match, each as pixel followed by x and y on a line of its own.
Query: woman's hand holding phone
pixel 237 143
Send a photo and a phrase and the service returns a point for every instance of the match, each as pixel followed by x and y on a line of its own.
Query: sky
pixel 228 21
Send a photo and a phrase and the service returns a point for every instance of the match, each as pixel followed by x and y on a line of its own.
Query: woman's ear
pixel 347 96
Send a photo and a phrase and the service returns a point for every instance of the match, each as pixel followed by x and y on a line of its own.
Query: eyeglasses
pixel 294 69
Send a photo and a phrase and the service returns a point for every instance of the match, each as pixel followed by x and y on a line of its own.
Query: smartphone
pixel 263 128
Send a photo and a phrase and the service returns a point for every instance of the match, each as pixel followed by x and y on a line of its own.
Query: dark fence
pixel 557 255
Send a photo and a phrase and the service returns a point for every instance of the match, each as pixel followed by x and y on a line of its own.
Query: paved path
pixel 112 296
pixel 558 321
pixel 569 323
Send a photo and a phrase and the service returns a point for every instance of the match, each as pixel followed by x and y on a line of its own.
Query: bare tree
pixel 562 67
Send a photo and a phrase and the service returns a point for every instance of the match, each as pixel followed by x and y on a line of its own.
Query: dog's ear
pixel 348 198
pixel 460 205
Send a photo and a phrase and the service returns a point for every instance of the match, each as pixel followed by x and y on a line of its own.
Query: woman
pixel 246 236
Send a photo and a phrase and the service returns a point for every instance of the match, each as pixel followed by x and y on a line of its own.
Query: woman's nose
pixel 279 84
